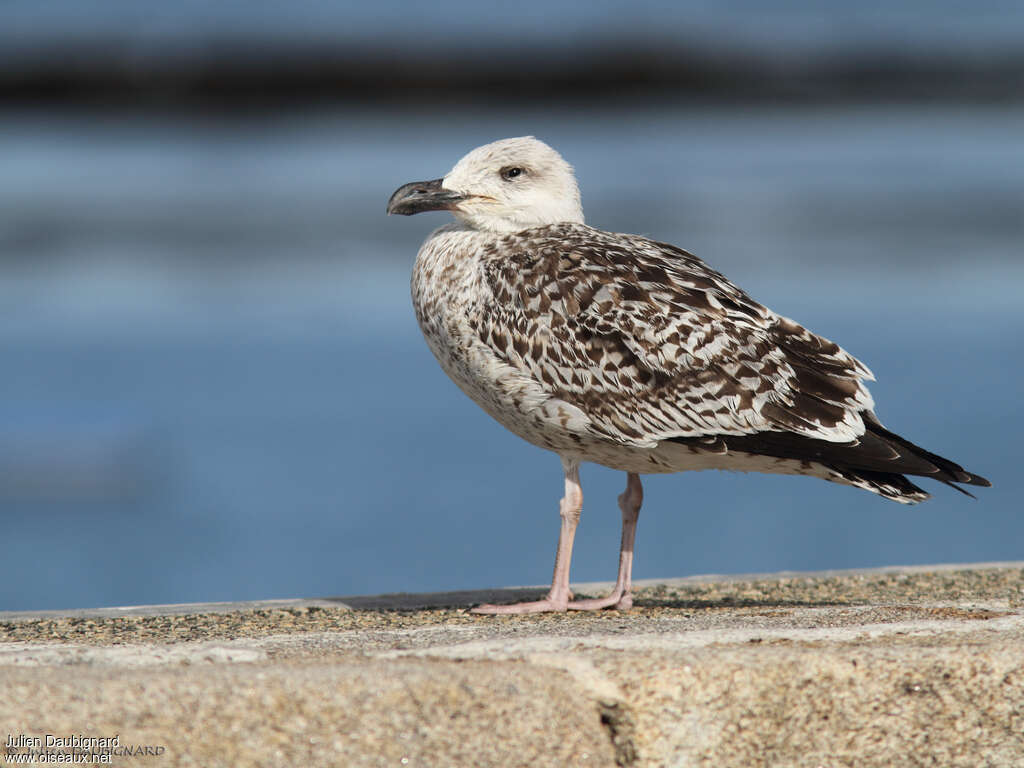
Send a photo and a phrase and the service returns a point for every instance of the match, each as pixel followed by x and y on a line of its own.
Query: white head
pixel 505 186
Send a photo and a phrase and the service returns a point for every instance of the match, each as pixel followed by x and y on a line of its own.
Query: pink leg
pixel 559 595
pixel 621 597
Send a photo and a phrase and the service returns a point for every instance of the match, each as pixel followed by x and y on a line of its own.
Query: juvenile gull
pixel 630 353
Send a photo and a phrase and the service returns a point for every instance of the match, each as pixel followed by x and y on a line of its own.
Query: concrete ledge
pixel 414 601
pixel 894 666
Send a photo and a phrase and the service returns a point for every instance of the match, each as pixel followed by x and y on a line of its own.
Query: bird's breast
pixel 454 307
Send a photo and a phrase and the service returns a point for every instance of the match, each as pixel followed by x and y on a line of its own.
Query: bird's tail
pixel 887 484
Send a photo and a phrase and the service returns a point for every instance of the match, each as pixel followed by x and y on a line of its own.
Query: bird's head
pixel 505 186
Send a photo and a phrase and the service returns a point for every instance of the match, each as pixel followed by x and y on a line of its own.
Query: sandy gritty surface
pixel 912 666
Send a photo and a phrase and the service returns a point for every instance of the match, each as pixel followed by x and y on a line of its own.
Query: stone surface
pixel 918 666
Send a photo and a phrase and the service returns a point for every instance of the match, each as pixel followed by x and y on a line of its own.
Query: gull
pixel 630 353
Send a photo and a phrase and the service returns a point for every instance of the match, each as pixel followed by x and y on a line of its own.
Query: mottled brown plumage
pixel 631 353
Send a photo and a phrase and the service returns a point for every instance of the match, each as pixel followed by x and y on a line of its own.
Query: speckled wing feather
pixel 652 344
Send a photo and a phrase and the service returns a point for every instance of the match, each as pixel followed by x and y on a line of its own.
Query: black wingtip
pixel 956 487
pixel 978 480
pixel 953 472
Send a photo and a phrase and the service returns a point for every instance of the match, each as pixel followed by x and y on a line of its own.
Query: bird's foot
pixel 622 602
pixel 617 600
pixel 537 606
pixel 557 600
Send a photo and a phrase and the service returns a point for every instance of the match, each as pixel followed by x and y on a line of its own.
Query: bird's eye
pixel 510 172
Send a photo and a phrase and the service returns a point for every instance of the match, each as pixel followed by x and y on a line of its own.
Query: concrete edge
pixel 466 598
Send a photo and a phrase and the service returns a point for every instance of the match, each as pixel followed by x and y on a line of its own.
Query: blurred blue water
pixel 795 27
pixel 213 387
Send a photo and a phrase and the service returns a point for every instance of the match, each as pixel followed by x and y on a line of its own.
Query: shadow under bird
pixel 630 353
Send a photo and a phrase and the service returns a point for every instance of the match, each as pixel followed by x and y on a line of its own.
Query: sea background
pixel 212 385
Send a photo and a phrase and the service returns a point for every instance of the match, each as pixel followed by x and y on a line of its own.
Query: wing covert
pixel 651 343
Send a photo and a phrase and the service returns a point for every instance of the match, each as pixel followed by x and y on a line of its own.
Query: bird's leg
pixel 559 595
pixel 621 597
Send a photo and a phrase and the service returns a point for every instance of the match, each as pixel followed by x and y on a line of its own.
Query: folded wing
pixel 652 344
